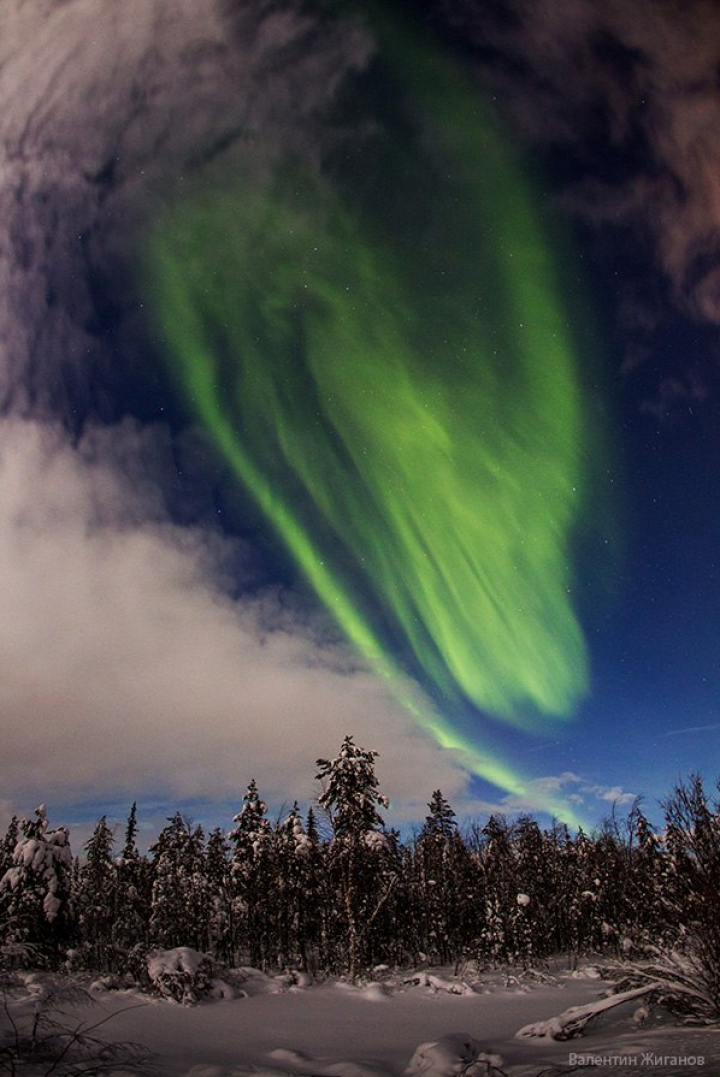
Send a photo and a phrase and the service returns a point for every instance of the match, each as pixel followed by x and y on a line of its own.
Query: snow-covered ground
pixel 411 1023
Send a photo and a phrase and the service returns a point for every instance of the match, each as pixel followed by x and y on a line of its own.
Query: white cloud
pixel 126 670
pixel 616 795
pixel 580 795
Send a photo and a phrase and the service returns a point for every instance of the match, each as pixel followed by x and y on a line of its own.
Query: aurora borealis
pixel 358 375
pixel 358 386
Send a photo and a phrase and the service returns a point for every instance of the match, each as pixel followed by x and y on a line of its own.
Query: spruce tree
pixel 586 911
pixel 440 823
pixel 693 824
pixel 133 902
pixel 465 894
pixel 437 881
pixel 292 853
pixel 180 912
pixel 251 877
pixel 648 881
pixel 129 849
pixel 351 797
pixel 95 899
pixel 350 793
pixel 35 907
pixel 500 889
pixel 7 846
pixel 313 929
pixel 532 925
pixel 217 872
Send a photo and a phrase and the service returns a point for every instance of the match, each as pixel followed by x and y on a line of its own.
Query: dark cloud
pixel 623 102
pixel 674 397
pixel 107 110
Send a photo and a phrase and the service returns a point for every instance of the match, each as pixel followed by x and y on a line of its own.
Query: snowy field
pixel 423 1024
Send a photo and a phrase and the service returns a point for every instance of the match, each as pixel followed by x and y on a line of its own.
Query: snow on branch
pixel 572 1022
pixel 687 984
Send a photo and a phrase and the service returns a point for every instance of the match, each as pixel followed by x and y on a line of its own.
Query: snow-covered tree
pixel 531 924
pixel 250 840
pixel 352 895
pixel 648 881
pixel 465 892
pixel 440 823
pixel 442 880
pixel 133 901
pixel 562 896
pixel 611 868
pixel 8 843
pixel 217 872
pixel 351 798
pixel 351 791
pixel 35 890
pixel 693 823
pixel 180 910
pixel 295 862
pixel 500 887
pixel 95 896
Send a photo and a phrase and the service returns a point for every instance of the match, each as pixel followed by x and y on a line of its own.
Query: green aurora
pixel 382 355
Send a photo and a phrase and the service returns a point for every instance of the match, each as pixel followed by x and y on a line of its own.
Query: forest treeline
pixel 349 894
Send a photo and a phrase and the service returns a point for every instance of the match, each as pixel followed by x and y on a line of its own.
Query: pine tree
pixel 693 821
pixel 351 792
pixel 501 889
pixel 351 797
pixel 440 823
pixel 133 901
pixel 95 895
pixel 437 882
pixel 129 849
pixel 7 846
pixel 251 877
pixel 217 871
pixel 292 853
pixel 647 879
pixel 180 911
pixel 35 892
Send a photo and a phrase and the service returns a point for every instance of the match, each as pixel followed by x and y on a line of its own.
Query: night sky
pixel 359 373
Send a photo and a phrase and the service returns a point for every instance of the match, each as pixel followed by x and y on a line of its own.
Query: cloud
pixel 616 795
pixel 128 671
pixel 126 664
pixel 613 794
pixel 108 109
pixel 674 397
pixel 567 787
pixel 626 96
pixel 129 665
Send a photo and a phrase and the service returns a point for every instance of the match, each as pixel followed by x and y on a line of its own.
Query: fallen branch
pixel 687 987
pixel 572 1022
